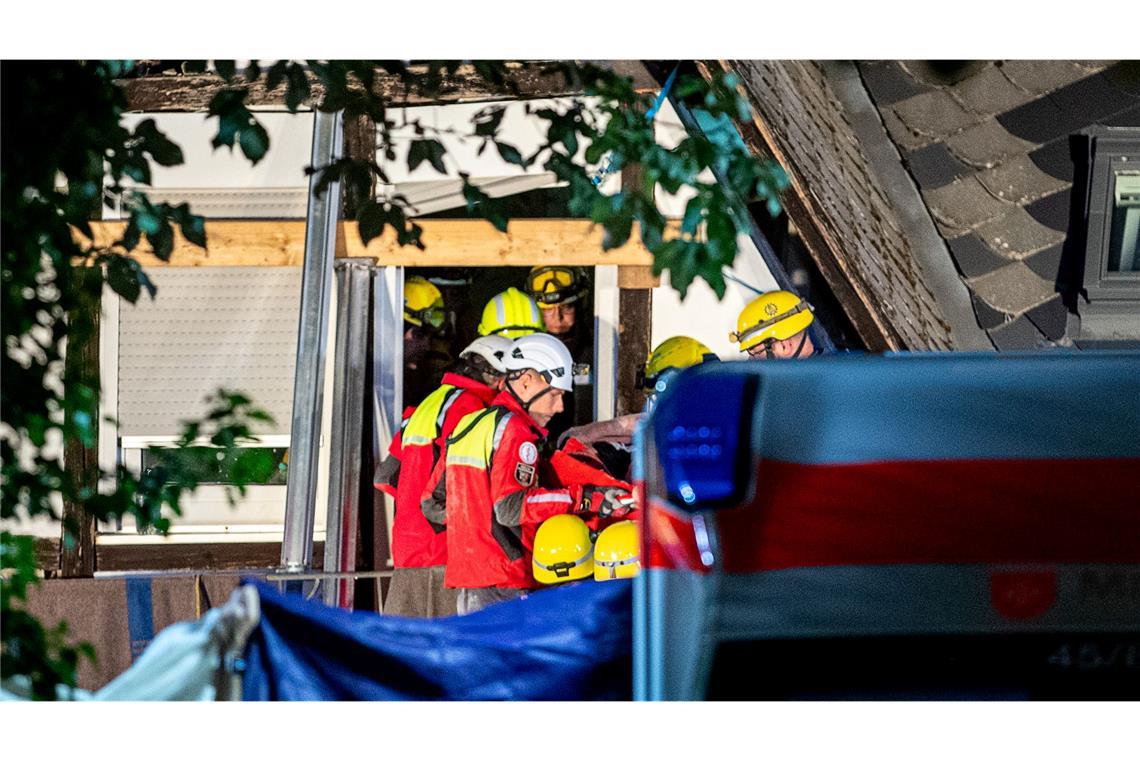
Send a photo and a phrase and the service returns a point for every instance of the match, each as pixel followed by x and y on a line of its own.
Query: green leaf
pixel 254 142
pixel 510 154
pixel 122 276
pixel 371 221
pixel 298 89
pixel 225 69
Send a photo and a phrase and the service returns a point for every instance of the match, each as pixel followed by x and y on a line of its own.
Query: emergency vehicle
pixel 942 526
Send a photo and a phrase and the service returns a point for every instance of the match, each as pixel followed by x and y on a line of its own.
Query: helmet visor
pixel 553 285
pixel 430 317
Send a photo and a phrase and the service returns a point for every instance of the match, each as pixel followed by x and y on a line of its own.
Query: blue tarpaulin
pixel 568 642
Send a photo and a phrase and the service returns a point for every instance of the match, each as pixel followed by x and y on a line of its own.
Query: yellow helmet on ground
pixel 550 286
pixel 511 314
pixel 674 353
pixel 776 315
pixel 423 303
pixel 562 550
pixel 618 552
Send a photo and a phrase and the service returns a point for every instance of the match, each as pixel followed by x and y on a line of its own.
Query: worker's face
pixel 559 319
pixel 529 385
pixel 416 344
pixel 785 349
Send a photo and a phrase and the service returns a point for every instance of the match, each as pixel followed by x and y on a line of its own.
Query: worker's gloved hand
pixel 608 501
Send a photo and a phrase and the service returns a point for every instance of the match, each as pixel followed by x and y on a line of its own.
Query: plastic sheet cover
pixel 564 643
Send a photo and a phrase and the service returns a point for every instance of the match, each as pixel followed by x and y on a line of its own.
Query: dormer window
pixel 1112 253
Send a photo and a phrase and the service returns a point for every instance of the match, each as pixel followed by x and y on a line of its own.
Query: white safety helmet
pixel 546 355
pixel 492 348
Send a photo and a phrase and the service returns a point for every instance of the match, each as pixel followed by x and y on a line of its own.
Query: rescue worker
pixel 775 326
pixel 670 356
pixel 487 489
pixel 511 314
pixel 419 553
pixel 424 317
pixel 560 293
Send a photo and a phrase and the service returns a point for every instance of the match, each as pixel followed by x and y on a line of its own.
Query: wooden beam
pixel 172 556
pixel 193 92
pixel 635 308
pixel 637 278
pixel 77 552
pixel 804 212
pixel 449 242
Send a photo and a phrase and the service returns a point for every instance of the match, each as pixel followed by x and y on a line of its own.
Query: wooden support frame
pixel 448 242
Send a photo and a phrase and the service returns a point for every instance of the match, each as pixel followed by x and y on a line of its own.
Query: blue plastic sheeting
pixel 564 643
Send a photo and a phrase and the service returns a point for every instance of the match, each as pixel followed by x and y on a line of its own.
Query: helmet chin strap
pixel 800 347
pixel 526 404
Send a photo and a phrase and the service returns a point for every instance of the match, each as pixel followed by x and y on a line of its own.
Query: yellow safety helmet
pixel 562 550
pixel 423 303
pixel 511 314
pixel 550 286
pixel 776 315
pixel 674 353
pixel 618 552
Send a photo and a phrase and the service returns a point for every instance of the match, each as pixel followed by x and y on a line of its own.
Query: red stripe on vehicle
pixel 943 511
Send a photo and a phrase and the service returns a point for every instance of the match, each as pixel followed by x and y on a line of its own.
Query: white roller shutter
pixel 208 328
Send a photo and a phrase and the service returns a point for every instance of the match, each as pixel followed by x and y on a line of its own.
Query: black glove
pixel 609 501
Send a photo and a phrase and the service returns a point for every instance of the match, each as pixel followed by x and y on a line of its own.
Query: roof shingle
pixel 989 92
pixel 1019 180
pixel 1017 234
pixel 1013 289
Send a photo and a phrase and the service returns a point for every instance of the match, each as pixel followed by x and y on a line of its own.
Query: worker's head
pixel 482 360
pixel 775 326
pixel 423 304
pixel 557 290
pixel 511 314
pixel 562 550
pixel 673 355
pixel 539 372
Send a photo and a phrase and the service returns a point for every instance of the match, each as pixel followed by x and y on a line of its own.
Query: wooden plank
pixel 449 242
pixel 636 316
pixel 637 278
pixel 224 556
pixel 193 92
pixel 77 555
pixel 801 208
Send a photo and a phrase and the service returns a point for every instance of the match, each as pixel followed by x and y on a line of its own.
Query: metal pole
pixel 387 355
pixel 354 280
pixel 309 380
pixel 607 314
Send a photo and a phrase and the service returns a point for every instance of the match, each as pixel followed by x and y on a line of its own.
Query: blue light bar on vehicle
pixel 702 434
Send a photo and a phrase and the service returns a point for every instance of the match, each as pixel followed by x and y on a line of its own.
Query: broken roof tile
pixel 1040 77
pixel 1013 289
pixel 1091 98
pixel 935 165
pixel 1053 210
pixel 1017 234
pixel 1046 264
pixel 1019 180
pixel 989 92
pixel 935 114
pixel 963 204
pixel 986 144
pixel 889 82
pixel 1038 121
pixel 902 135
pixel 1054 159
pixel 1019 335
pixel 1050 318
pixel 973 257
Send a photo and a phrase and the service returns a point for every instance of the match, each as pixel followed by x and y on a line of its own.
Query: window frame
pixel 1114 149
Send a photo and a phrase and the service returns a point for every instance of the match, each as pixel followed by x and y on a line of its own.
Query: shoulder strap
pixel 479 418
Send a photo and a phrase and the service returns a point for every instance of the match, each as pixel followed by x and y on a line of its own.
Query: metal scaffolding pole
pixel 354 284
pixel 309 379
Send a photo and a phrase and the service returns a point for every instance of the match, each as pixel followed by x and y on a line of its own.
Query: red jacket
pixel 415 543
pixel 487 489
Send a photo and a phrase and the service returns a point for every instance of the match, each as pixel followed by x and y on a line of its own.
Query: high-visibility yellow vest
pixel 477 436
pixel 425 424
